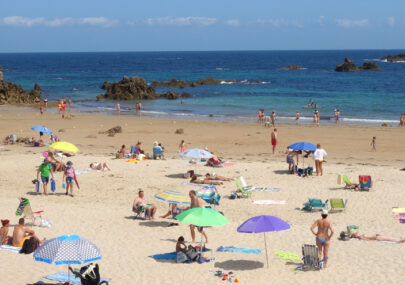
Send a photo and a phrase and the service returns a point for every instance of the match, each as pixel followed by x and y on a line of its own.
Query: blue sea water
pixel 362 97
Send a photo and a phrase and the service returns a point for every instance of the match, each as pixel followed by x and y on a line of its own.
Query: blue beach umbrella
pixel 306 146
pixel 42 129
pixel 67 249
pixel 197 154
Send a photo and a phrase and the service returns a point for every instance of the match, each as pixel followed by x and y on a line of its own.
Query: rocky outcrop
pixel 1 67
pixel 207 81
pixel 11 93
pixel 395 58
pixel 292 67
pixel 135 88
pixel 348 65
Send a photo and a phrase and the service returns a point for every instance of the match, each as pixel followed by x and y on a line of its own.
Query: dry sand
pixel 101 210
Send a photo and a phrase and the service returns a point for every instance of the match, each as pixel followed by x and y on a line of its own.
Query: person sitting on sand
pixel 195 180
pixel 99 166
pixel 181 249
pixel 56 165
pixel 214 160
pixel 4 237
pixel 215 177
pixel 174 211
pixel 38 143
pixel 377 237
pixel 22 233
pixel 140 205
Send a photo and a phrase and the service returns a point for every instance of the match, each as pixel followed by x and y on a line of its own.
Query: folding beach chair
pixel 337 205
pixel 245 192
pixel 139 213
pixel 349 184
pixel 311 258
pixel 314 205
pixel 24 209
pixel 365 182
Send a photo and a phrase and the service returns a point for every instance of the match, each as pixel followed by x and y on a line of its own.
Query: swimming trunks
pixel 45 179
pixel 322 241
pixel 21 243
pixel 273 141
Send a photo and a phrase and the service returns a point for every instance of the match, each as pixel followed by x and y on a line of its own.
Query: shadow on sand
pixel 239 265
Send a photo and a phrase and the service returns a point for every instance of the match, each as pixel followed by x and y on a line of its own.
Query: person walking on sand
pixel 297 117
pixel 316 118
pixel 69 174
pixel 373 144
pixel 118 106
pixel 45 169
pixel 274 139
pixel 194 203
pixel 323 235
pixel 319 156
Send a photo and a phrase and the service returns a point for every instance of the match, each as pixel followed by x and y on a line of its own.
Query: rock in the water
pixel 396 58
pixel 370 66
pixel 292 67
pixel 348 65
pixel 11 93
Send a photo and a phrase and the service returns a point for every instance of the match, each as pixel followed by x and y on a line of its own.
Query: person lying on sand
pixel 22 233
pixel 4 238
pixel 215 177
pixel 99 166
pixel 140 205
pixel 377 237
pixel 195 180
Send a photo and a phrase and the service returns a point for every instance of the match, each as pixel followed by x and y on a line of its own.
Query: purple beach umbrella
pixel 263 224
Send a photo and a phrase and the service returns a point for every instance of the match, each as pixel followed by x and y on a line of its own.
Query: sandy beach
pixel 101 209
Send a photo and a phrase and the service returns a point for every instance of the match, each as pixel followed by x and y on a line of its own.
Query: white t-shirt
pixel 319 154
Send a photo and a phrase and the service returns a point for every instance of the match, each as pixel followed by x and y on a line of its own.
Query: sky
pixel 189 25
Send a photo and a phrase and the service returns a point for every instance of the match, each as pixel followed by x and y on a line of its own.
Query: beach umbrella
pixel 42 129
pixel 303 146
pixel 209 194
pixel 173 197
pixel 263 224
pixel 197 154
pixel 65 147
pixel 67 249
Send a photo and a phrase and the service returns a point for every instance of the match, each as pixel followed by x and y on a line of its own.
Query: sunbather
pixel 215 177
pixel 22 233
pixel 4 238
pixel 377 237
pixel 99 166
pixel 140 205
pixel 195 180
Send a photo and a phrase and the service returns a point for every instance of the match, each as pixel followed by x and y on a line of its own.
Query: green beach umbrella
pixel 202 217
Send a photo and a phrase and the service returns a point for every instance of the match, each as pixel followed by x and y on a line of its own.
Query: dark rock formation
pixel 111 132
pixel 348 65
pixel 1 67
pixel 395 58
pixel 11 93
pixel 208 81
pixel 291 67
pixel 369 66
pixel 135 88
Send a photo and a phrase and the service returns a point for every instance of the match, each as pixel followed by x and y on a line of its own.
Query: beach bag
pixel 29 246
pixel 45 224
pixel 89 274
pixel 192 253
pixel 181 257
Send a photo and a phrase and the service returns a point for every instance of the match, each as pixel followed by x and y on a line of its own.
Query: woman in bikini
pixel 377 237
pixel 323 235
pixel 195 180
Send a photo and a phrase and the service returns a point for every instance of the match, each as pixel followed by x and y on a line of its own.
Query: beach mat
pixel 269 202
pixel 170 255
pixel 228 163
pixel 267 189
pixel 239 249
pixel 398 210
pixel 195 162
pixel 193 184
pixel 10 248
pixel 284 255
pixel 63 277
pixel 78 172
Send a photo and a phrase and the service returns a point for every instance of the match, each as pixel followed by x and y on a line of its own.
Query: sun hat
pixel 324 212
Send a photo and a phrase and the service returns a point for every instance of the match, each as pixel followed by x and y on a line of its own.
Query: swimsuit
pixel 322 241
pixel 21 243
pixel 273 141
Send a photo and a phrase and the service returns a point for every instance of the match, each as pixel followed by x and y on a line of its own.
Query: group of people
pixel 62 106
pixel 21 233
pixel 269 120
pixel 293 157
pixel 138 107
pixel 137 152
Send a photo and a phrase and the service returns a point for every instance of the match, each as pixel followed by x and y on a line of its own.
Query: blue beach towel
pixel 239 249
pixel 10 248
pixel 63 277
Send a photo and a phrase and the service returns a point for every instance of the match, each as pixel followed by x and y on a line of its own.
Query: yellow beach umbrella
pixel 65 147
pixel 172 196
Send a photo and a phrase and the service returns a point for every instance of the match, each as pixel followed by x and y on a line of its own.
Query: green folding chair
pixel 337 205
pixel 349 184
pixel 245 191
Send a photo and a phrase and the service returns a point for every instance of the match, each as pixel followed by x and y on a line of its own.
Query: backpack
pixel 29 246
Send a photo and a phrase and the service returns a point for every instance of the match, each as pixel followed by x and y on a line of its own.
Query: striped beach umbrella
pixel 173 197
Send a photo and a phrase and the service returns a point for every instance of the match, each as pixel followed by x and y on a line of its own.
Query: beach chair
pixel 314 205
pixel 24 209
pixel 349 184
pixel 139 213
pixel 365 182
pixel 311 258
pixel 245 192
pixel 337 205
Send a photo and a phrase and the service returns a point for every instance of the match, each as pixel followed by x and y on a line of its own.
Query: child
pixel 373 144
pixel 70 174
pixel 182 146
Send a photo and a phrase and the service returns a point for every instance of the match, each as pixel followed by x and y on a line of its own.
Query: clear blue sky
pixel 156 25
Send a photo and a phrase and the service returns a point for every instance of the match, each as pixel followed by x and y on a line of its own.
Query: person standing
pixel 319 156
pixel 297 118
pixel 373 144
pixel 45 169
pixel 323 235
pixel 273 119
pixel 274 139
pixel 118 108
pixel 194 203
pixel 69 174
pixel 402 120
pixel 46 102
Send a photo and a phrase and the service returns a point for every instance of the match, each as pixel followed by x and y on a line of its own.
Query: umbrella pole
pixel 265 244
pixel 68 275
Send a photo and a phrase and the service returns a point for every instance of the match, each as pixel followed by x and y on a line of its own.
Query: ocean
pixel 365 97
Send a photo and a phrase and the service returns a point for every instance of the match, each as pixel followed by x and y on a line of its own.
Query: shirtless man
pixel 273 118
pixel 4 238
pixel 377 237
pixel 215 177
pixel 195 180
pixel 194 203
pixel 140 204
pixel 274 139
pixel 21 233
pixel 323 236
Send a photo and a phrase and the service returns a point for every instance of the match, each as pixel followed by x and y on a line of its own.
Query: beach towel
pixel 384 241
pixel 239 249
pixel 10 248
pixel 170 255
pixel 78 172
pixel 268 189
pixel 133 160
pixel 284 255
pixel 228 163
pixel 195 162
pixel 398 210
pixel 63 277
pixel 193 184
pixel 269 202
